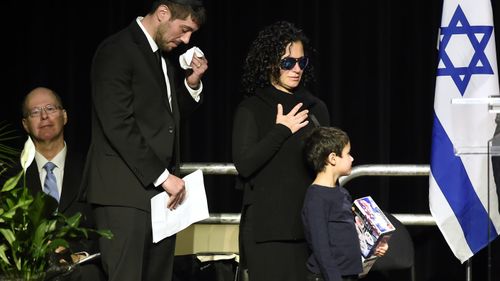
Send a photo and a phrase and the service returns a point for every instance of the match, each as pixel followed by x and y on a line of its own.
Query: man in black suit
pixel 44 118
pixel 134 151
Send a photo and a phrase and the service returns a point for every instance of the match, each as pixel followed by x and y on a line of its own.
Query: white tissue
pixel 185 59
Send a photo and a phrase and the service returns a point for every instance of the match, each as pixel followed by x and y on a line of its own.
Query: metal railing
pixel 357 171
pixel 386 170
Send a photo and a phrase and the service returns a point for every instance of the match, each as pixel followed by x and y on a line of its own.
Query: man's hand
pixel 176 189
pixel 199 66
pixel 76 257
pixel 294 120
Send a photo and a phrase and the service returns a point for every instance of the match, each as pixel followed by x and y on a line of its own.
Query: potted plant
pixel 31 233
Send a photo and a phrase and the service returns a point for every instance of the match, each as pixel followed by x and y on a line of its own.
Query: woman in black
pixel 268 132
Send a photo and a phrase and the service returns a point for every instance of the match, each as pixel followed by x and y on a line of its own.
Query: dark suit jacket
pixel 135 135
pixel 69 203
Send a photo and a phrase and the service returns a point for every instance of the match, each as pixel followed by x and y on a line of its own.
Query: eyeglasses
pixel 288 63
pixel 49 109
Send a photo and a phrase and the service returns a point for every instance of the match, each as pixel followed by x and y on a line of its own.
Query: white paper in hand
pixel 166 222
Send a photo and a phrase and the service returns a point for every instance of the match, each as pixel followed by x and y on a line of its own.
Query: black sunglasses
pixel 289 62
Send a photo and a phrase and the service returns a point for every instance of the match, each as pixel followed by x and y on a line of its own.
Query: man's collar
pixel 151 41
pixel 58 159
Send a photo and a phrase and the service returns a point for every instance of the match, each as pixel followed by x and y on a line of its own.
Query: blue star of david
pixel 479 63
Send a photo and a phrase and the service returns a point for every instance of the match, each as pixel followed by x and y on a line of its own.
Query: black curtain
pixel 375 68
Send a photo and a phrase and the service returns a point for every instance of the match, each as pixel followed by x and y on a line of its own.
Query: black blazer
pixel 69 203
pixel 135 135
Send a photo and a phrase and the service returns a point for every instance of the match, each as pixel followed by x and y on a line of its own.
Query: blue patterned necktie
pixel 50 184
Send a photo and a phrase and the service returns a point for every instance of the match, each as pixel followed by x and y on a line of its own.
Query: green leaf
pixel 56 243
pixel 40 234
pixel 42 207
pixel 8 234
pixel 3 256
pixel 12 182
pixel 51 225
pixel 74 220
pixel 7 152
pixel 106 233
pixel 6 134
pixel 23 203
pixel 18 263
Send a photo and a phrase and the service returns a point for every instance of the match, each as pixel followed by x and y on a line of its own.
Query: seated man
pixel 57 170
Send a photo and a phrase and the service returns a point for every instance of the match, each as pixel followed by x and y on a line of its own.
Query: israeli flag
pixel 461 175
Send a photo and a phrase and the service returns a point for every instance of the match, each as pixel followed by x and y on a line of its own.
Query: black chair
pixel 401 252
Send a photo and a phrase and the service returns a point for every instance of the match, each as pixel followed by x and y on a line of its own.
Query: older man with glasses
pixel 44 118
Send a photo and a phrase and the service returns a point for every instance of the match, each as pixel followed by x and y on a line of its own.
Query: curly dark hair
pixel 262 61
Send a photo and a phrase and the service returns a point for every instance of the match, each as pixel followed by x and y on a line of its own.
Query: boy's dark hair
pixel 181 9
pixel 322 141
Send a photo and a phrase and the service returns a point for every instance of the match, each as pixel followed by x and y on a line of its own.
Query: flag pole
pixel 489 159
pixel 468 270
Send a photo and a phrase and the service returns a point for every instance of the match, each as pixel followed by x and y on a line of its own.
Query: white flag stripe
pixel 443 213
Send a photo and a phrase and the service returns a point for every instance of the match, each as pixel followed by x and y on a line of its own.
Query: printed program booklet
pixel 373 228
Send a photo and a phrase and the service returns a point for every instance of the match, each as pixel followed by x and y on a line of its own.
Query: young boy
pixel 327 215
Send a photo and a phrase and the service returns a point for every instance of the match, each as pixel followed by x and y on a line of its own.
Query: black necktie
pixel 158 57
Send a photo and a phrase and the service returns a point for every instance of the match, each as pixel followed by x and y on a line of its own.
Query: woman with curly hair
pixel 268 132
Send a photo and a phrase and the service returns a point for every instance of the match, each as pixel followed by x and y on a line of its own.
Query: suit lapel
pixel 71 181
pixel 140 39
pixel 33 179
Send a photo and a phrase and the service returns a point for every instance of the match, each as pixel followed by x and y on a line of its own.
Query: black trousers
pixel 131 254
pixel 318 277
pixel 270 260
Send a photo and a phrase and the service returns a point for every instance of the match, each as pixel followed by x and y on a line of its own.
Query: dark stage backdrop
pixel 375 67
